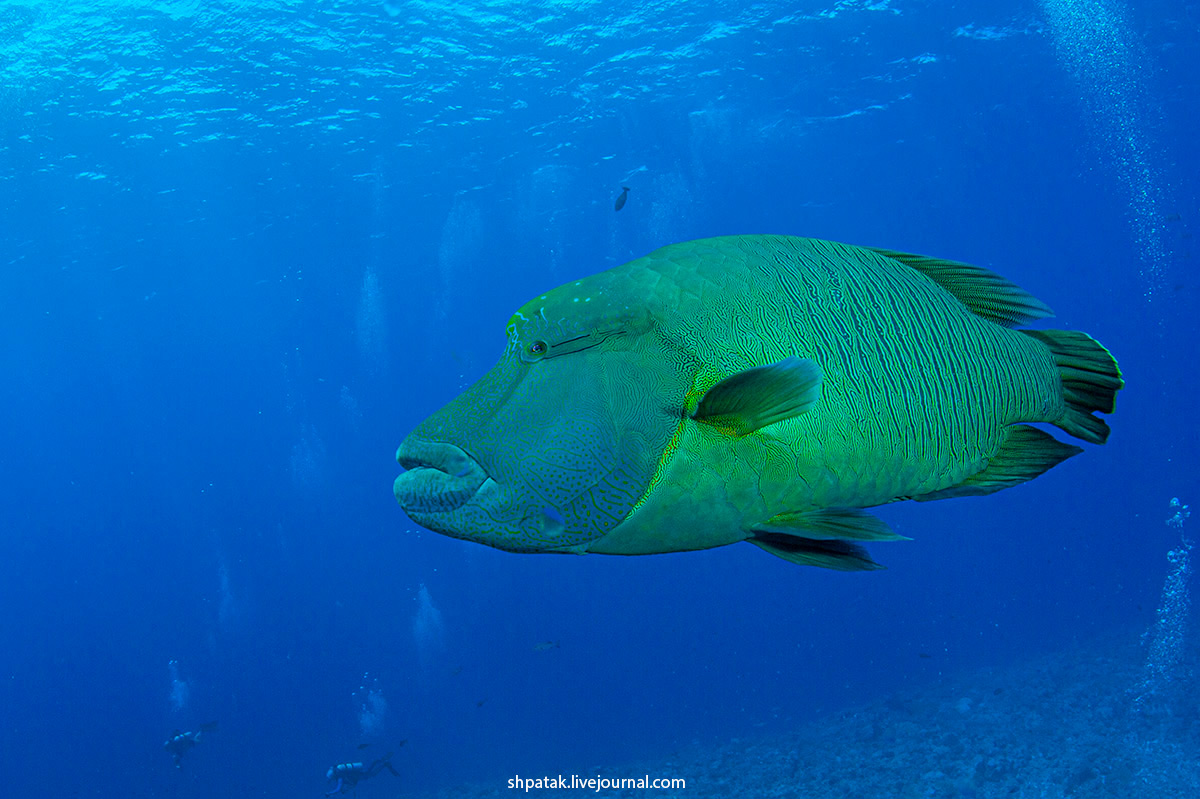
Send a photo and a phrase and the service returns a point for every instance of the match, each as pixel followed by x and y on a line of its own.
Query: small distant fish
pixel 363 746
pixel 457 670
pixel 545 645
pixel 1174 217
pixel 402 742
pixel 924 655
pixel 480 703
pixel 624 196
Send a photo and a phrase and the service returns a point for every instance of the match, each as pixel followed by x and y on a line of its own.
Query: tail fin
pixel 1090 381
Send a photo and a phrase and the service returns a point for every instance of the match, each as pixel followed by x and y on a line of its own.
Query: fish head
pixel 554 446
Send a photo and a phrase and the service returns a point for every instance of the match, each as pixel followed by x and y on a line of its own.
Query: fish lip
pixel 438 477
pixel 418 453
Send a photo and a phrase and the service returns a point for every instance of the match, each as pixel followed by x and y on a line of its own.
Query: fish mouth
pixel 438 477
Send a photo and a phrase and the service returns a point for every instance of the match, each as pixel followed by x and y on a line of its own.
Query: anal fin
pixel 1025 454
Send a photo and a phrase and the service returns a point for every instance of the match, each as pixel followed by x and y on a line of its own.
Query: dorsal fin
pixel 985 293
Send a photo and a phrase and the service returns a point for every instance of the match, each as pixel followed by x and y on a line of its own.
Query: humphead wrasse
pixel 753 388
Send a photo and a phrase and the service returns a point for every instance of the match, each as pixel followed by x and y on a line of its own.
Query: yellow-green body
pixel 908 378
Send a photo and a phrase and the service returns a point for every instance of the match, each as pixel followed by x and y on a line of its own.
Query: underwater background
pixel 245 247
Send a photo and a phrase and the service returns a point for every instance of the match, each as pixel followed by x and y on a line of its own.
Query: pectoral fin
pixel 752 399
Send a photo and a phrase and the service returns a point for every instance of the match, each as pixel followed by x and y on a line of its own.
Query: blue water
pixel 246 246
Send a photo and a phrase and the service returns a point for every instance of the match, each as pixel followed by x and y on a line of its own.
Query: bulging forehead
pixel 572 309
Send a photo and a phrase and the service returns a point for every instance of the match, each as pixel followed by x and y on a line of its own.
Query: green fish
pixel 753 388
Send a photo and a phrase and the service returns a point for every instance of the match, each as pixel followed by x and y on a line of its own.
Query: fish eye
pixel 537 348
